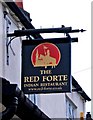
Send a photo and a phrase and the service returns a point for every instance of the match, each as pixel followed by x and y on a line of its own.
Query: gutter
pixel 26 109
pixel 10 110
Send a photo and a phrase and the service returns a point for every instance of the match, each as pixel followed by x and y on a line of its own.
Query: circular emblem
pixel 45 54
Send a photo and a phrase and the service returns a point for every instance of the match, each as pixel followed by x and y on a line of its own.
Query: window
pixel 70 110
pixel 32 98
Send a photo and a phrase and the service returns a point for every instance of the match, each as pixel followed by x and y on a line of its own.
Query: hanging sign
pixel 46 67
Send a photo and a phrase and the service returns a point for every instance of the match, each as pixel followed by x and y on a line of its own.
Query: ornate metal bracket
pixel 28 32
pixel 8 42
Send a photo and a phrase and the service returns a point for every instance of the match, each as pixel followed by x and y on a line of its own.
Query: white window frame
pixel 70 109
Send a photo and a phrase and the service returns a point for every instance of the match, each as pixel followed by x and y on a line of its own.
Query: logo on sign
pixel 45 54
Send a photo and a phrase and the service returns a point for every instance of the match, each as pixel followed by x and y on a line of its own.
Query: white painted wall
pixel 12 72
pixel 54 105
pixel 1 40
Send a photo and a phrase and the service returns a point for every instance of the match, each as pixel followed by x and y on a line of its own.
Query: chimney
pixel 19 3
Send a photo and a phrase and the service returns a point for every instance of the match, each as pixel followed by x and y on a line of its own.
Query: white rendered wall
pixel 11 72
pixel 1 41
pixel 54 105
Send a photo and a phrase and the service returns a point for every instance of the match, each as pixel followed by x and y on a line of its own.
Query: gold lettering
pixel 55 78
pixel 31 79
pixel 65 77
pixel 45 72
pixel 47 78
pixel 41 72
pixel 31 85
pixel 26 79
pixel 50 78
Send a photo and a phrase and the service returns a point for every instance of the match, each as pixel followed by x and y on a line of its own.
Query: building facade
pixel 56 105
pixel 65 105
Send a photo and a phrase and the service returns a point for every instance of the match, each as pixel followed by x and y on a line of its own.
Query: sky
pixel 71 13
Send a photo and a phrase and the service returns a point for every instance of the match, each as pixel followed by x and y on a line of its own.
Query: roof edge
pixel 22 17
pixel 78 87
